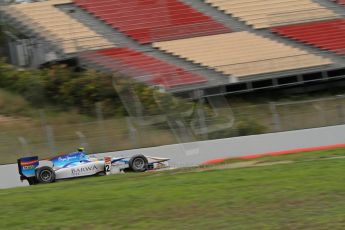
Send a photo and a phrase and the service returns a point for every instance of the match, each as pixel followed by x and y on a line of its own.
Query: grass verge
pixel 306 194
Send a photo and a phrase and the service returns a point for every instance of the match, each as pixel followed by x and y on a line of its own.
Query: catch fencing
pixel 47 134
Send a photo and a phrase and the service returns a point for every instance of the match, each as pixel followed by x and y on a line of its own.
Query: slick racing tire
pixel 138 163
pixel 45 175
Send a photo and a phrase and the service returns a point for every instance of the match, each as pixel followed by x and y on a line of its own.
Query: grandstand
pixel 208 45
pixel 148 21
pixel 241 54
pixel 341 2
pixel 59 28
pixel 263 14
pixel 142 67
pixel 326 35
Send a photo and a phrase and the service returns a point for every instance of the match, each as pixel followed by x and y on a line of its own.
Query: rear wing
pixel 27 167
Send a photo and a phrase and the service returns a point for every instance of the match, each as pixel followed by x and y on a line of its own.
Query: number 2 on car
pixel 107 165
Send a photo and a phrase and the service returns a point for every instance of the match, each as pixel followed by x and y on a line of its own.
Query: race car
pixel 78 164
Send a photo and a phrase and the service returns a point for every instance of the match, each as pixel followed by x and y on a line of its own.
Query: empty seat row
pixel 56 26
pixel 241 54
pixel 142 67
pixel 147 21
pixel 269 13
pixel 326 35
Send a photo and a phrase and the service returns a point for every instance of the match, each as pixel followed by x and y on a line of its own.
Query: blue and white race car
pixel 78 164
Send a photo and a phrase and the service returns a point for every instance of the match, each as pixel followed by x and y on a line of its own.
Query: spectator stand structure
pixel 341 2
pixel 149 21
pixel 242 54
pixel 44 23
pixel 58 27
pixel 263 14
pixel 142 67
pixel 172 44
pixel 326 35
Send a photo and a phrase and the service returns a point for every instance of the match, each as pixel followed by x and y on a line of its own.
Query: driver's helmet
pixel 80 149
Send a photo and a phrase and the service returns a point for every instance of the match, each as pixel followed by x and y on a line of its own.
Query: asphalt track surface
pixel 195 153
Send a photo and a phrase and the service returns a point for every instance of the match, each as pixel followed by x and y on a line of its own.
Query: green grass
pixel 14 104
pixel 307 194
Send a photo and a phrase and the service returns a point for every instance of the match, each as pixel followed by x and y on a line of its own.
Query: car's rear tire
pixel 45 175
pixel 32 180
pixel 138 163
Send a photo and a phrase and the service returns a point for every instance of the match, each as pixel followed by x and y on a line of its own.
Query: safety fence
pixel 47 134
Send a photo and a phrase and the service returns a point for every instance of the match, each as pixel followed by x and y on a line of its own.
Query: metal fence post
pixel 340 108
pixel 202 119
pixel 322 115
pixel 275 117
pixel 48 131
pixel 24 145
pixel 132 133
pixel 50 137
pixel 82 140
pixel 100 121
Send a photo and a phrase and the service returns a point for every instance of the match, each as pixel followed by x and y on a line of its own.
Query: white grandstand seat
pixel 58 27
pixel 241 54
pixel 268 13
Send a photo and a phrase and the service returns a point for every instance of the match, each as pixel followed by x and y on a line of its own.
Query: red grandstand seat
pixel 341 2
pixel 148 21
pixel 142 67
pixel 326 35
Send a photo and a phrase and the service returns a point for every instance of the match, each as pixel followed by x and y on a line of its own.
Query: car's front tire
pixel 138 163
pixel 45 175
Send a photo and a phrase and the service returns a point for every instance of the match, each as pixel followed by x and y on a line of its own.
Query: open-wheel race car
pixel 78 164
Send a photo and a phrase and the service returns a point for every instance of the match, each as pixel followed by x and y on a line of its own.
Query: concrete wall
pixel 195 153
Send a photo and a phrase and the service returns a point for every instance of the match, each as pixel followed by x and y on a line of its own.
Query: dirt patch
pixel 243 164
pixel 5 119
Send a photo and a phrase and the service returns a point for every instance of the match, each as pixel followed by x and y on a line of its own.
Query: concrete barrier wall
pixel 189 154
